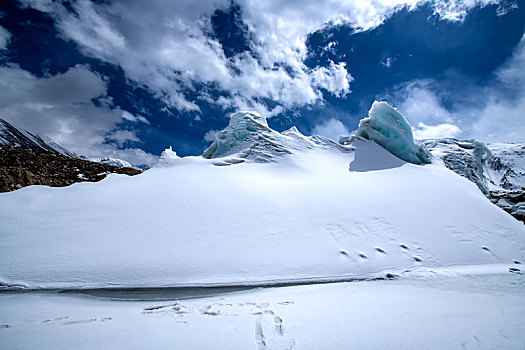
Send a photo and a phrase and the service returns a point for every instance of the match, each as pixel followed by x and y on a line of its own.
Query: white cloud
pixel 331 128
pixel 123 136
pixel 491 116
pixel 5 37
pixel 164 48
pixel 419 103
pixel 62 107
pixel 457 10
pixel 210 135
pixel 423 131
pixel 128 116
pixel 503 119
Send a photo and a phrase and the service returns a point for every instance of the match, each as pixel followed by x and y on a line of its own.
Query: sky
pixel 129 78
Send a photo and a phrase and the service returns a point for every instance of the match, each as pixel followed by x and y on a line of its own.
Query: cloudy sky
pixel 129 78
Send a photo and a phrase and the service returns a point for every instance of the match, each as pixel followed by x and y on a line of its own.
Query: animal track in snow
pixel 380 250
pixel 362 256
pixel 55 319
pixel 404 246
pixel 87 321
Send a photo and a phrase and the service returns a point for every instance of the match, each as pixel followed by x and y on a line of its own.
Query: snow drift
pixel 265 207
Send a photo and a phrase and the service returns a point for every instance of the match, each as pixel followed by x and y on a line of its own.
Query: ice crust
pixel 390 129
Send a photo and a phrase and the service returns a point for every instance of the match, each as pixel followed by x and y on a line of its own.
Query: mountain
pixel 260 207
pixel 13 137
pixel 27 159
pixel 497 169
pixel 19 138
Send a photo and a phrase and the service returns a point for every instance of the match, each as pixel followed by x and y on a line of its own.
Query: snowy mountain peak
pixel 14 137
pixel 390 129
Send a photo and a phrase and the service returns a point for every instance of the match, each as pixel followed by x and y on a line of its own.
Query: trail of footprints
pixel 269 332
pixel 363 257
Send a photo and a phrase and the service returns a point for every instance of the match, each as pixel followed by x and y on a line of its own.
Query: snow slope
pixel 316 211
pixel 441 312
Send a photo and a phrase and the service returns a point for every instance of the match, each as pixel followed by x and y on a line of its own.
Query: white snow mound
pixel 316 210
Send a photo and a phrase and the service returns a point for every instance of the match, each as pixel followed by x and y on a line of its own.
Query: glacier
pixel 390 129
pixel 259 207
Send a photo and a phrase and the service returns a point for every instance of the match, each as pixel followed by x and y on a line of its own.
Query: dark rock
pixel 23 167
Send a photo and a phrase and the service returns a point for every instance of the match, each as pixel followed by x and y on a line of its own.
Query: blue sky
pixel 126 79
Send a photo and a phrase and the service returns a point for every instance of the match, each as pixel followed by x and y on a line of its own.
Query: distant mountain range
pixel 19 138
pixel 29 159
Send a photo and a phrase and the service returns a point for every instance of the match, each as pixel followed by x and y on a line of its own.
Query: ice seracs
pixel 249 138
pixel 390 129
pixel 240 133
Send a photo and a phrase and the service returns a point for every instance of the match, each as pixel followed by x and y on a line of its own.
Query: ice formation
pixel 240 133
pixel 168 157
pixel 390 129
pixel 249 138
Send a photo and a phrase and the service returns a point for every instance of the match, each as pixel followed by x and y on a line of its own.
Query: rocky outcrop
pixel 21 167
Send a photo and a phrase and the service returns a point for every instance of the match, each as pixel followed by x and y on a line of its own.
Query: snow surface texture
pixel 284 208
pixel 437 312
pixel 390 129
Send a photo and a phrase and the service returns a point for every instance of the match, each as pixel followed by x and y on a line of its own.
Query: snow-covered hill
pixel 261 207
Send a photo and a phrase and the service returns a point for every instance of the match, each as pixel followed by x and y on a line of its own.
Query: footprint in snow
pixel 278 325
pixel 417 258
pixel 87 321
pixel 485 248
pixel 404 246
pixel 362 256
pixel 380 250
pixel 517 262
